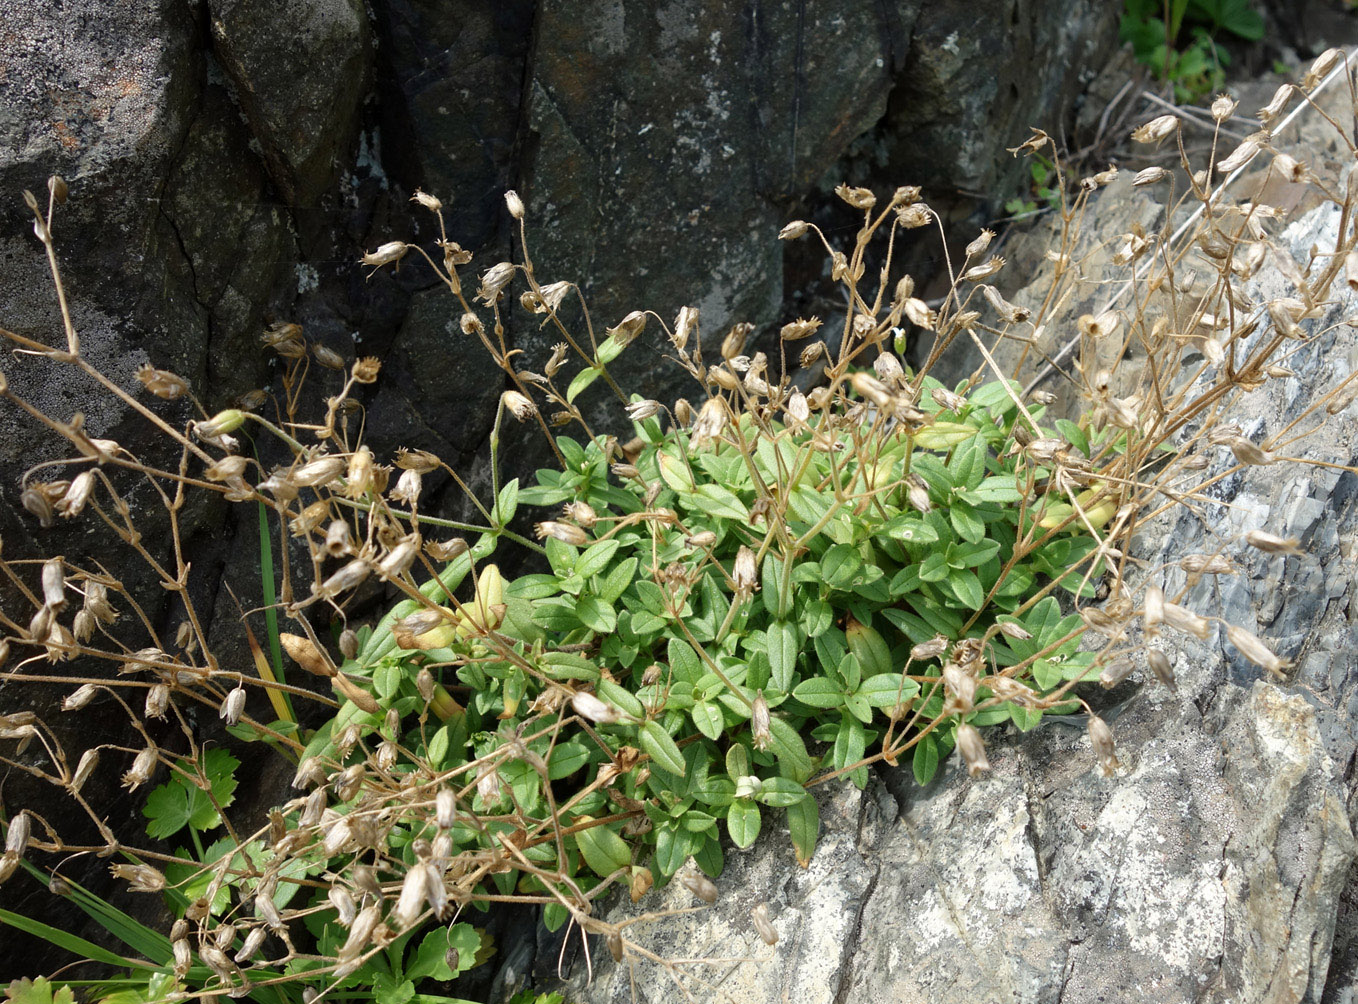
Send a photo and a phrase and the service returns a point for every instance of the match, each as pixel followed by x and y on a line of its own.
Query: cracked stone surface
pixel 1217 865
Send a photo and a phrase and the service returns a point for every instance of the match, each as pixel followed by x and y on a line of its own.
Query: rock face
pixel 1218 865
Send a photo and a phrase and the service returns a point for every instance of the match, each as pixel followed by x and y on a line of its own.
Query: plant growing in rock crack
pixel 776 584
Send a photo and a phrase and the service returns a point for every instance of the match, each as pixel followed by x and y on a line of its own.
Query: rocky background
pixel 230 160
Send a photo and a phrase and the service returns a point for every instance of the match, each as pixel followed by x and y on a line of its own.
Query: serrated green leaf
pixel 179 802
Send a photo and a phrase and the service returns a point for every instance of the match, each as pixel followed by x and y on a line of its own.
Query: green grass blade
pixel 270 598
pixel 70 942
pixel 131 932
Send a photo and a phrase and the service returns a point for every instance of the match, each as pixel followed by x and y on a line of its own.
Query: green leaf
pixel 506 504
pixel 885 690
pixel 566 759
pixel 803 820
pixel 911 530
pixel 617 580
pixel 388 990
pixel 716 500
pixel 620 697
pixel 581 380
pixel 595 558
pixel 965 521
pixel 817 616
pixel 819 693
pixel 537 586
pixel 431 958
pixel 782 652
pixel 708 718
pixel 999 489
pixel 661 748
pixel 743 822
pixel 438 747
pixel 776 602
pixel 934 568
pixel 967 587
pixel 1074 435
pixel 840 565
pixel 780 791
pixel 595 614
pixel 789 748
pixel 604 850
pixel 850 742
pixel 685 663
pixel 568 666
pixel 925 760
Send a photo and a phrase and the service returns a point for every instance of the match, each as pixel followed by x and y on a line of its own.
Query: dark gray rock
pixel 300 70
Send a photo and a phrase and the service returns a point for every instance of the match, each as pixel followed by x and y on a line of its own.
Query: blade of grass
pixel 70 942
pixel 270 594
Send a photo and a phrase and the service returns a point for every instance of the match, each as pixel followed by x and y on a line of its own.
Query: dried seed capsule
pixel 586 705
pixel 1162 668
pixel 88 761
pixel 564 532
pixel 410 904
pixel 54 585
pixel 361 932
pixel 1271 543
pixel 1253 649
pixel 345 908
pixel 142 768
pixel 16 837
pixel 761 737
pixel 445 809
pixel 80 697
pixel 701 886
pixel 1101 737
pixel 615 946
pixel 1115 672
pixel 313 809
pixel 745 572
pixel 141 878
pixel 1183 619
pixel 971 747
pixel 157 701
pixel 253 941
pixel 763 926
